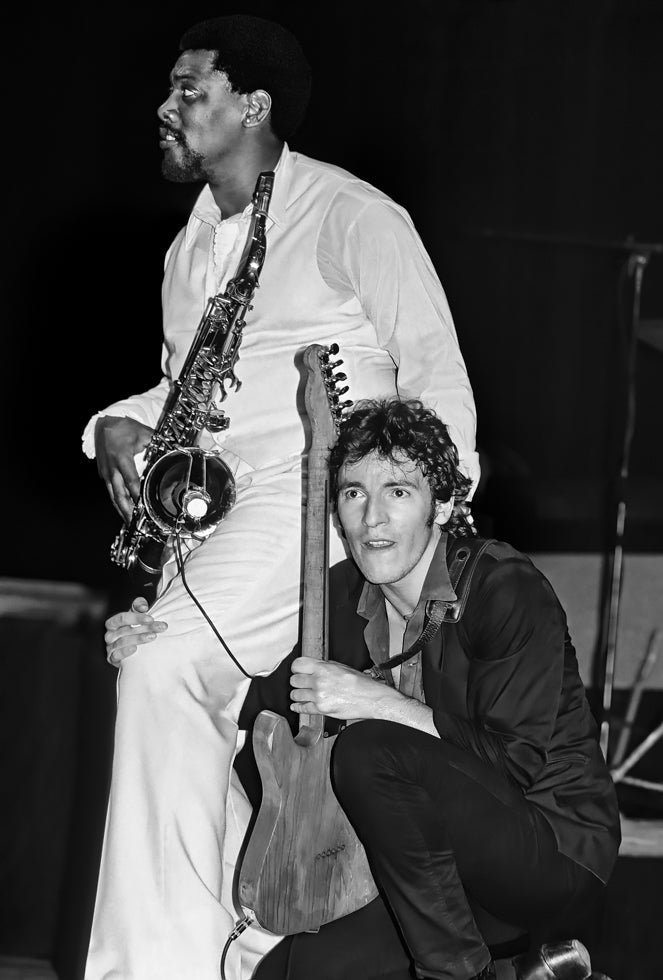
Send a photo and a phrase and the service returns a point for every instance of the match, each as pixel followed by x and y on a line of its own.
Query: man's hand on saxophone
pixel 117 440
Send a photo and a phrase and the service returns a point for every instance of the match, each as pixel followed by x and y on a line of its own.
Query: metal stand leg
pixel 645 669
pixel 633 269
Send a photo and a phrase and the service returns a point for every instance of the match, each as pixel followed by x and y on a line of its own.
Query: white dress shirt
pixel 344 264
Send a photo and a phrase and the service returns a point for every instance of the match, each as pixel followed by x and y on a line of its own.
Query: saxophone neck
pixel 253 255
pixel 262 193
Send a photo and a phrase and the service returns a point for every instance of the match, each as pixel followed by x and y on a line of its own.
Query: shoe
pixel 567 960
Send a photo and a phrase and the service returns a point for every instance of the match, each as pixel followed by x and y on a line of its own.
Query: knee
pixel 145 691
pixel 156 672
pixel 358 753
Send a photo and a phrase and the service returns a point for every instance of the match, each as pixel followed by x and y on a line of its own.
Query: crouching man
pixel 475 779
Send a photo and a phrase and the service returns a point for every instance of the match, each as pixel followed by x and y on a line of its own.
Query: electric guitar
pixel 304 865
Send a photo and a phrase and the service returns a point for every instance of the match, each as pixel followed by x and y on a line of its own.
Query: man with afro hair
pixel 343 264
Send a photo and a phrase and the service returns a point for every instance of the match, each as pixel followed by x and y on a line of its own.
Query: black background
pixel 538 118
pixel 525 118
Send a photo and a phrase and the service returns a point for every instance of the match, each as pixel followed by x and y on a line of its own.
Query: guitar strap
pixel 461 562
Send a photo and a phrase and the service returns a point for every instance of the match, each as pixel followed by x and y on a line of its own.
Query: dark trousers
pixel 450 839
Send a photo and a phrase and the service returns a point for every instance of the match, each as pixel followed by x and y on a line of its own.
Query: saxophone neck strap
pixel 461 561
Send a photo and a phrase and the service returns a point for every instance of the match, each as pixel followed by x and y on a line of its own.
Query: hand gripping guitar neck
pixel 184 489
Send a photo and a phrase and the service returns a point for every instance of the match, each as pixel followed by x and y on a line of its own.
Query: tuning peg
pixel 340 376
pixel 331 350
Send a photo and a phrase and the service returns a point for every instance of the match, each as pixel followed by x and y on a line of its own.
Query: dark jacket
pixel 503 683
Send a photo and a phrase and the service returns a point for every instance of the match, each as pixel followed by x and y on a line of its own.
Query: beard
pixel 186 168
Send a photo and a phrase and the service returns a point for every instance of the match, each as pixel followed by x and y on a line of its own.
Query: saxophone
pixel 186 490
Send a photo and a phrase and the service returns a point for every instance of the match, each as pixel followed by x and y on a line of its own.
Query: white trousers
pixel 177 814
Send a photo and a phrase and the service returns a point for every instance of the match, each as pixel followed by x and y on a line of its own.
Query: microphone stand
pixel 632 271
pixel 637 256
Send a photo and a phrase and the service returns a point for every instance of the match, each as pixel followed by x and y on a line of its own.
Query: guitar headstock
pixel 322 395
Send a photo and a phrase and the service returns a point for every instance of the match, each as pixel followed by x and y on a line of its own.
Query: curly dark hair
pixel 393 426
pixel 257 53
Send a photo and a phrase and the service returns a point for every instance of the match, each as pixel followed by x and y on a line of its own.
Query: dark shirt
pixel 503 683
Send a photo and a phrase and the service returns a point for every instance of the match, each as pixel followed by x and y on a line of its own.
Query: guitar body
pixel 304 865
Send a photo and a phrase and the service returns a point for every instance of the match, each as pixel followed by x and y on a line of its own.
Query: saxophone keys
pixel 217 421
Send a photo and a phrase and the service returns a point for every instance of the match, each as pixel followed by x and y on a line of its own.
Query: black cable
pixel 235 934
pixel 180 568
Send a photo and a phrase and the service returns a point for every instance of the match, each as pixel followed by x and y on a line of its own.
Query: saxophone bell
pixel 189 490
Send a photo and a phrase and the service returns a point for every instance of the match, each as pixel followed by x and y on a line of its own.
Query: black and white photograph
pixel 331 594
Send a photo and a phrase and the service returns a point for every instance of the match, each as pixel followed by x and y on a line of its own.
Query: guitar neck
pixel 320 396
pixel 315 604
pixel 316 562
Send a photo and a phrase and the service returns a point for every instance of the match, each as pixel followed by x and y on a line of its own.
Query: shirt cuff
pixel 87 439
pixel 470 465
